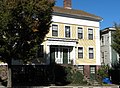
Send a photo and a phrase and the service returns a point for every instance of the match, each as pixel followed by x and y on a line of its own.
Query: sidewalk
pixel 68 87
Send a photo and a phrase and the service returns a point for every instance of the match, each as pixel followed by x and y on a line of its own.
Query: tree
pixel 116 40
pixel 23 26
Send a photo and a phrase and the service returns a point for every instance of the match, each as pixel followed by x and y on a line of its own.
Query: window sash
pixel 90 34
pixel 80 52
pixel 80 55
pixel 91 53
pixel 54 30
pixel 80 30
pixel 80 33
pixel 67 31
pixel 90 31
pixel 81 69
pixel 93 70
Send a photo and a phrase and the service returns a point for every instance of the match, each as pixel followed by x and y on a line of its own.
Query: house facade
pixel 108 54
pixel 73 39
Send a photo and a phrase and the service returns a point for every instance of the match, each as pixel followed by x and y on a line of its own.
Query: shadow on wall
pixel 39 75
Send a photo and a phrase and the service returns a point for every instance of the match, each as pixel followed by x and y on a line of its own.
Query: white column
pixel 73 55
pixel 97 35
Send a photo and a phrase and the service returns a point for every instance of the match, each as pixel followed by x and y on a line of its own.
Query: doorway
pixel 60 55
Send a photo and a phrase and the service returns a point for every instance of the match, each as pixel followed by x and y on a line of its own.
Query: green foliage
pixel 23 26
pixel 103 71
pixel 74 76
pixel 116 45
pixel 116 39
pixel 116 65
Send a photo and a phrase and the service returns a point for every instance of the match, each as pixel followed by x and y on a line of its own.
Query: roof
pixel 76 13
pixel 106 30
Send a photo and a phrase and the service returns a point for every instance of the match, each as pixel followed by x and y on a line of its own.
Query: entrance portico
pixel 61 51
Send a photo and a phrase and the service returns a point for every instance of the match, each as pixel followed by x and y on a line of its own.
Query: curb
pixel 66 87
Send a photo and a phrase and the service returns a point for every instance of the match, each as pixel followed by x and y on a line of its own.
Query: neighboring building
pixel 73 39
pixel 108 54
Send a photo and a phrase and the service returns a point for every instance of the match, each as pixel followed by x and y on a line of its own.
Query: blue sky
pixel 107 9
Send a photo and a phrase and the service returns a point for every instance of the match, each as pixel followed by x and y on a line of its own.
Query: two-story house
pixel 108 54
pixel 73 39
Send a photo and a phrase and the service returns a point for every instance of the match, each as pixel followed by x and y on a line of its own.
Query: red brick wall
pixel 87 71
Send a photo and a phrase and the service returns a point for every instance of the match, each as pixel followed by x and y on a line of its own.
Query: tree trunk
pixel 9 81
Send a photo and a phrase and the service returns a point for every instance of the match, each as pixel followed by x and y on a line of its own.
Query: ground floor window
pixel 81 68
pixel 92 72
pixel 92 69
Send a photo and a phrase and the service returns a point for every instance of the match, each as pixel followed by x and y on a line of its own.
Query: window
pixel 102 38
pixel 92 69
pixel 40 51
pixel 80 33
pixel 67 31
pixel 102 53
pixel 91 53
pixel 90 34
pixel 81 68
pixel 80 52
pixel 54 30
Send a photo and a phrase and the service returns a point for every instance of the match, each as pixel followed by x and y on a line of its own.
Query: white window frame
pixel 88 33
pixel 83 52
pixel 81 68
pixel 52 29
pixel 70 31
pixel 93 69
pixel 93 52
pixel 82 32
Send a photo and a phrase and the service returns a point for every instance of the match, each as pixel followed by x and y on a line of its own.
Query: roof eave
pixel 78 16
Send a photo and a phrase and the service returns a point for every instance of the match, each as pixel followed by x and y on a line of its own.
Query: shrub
pixel 102 73
pixel 74 76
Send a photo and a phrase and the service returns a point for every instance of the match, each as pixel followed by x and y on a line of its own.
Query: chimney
pixel 67 4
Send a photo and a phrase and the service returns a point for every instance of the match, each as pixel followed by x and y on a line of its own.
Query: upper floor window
pixel 80 52
pixel 54 30
pixel 91 53
pixel 80 33
pixel 67 31
pixel 90 34
pixel 102 39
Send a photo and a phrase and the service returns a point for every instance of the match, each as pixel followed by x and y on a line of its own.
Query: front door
pixel 65 56
pixel 52 55
pixel 60 55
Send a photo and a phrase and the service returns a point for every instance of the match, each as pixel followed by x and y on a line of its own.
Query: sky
pixel 109 10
